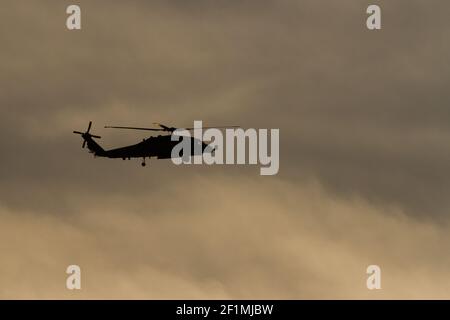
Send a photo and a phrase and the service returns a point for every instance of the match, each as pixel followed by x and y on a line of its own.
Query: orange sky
pixel 364 124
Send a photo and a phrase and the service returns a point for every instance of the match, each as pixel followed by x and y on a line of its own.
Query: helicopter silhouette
pixel 154 146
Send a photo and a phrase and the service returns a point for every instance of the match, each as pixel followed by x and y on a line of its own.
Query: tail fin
pixel 94 147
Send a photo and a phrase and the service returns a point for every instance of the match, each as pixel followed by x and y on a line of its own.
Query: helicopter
pixel 154 146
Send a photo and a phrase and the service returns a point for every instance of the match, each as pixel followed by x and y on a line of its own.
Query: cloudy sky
pixel 364 121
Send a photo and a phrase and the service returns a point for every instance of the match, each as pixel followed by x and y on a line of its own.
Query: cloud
pixel 262 240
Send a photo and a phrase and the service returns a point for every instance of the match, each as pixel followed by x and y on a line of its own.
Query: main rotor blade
pixel 162 126
pixel 133 128
pixel 89 126
pixel 78 132
pixel 84 143
pixel 223 127
pixel 94 136
pixel 165 128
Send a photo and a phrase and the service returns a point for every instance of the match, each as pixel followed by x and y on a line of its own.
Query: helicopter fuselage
pixel 159 147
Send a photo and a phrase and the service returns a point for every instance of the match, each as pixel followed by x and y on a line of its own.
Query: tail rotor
pixel 86 135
